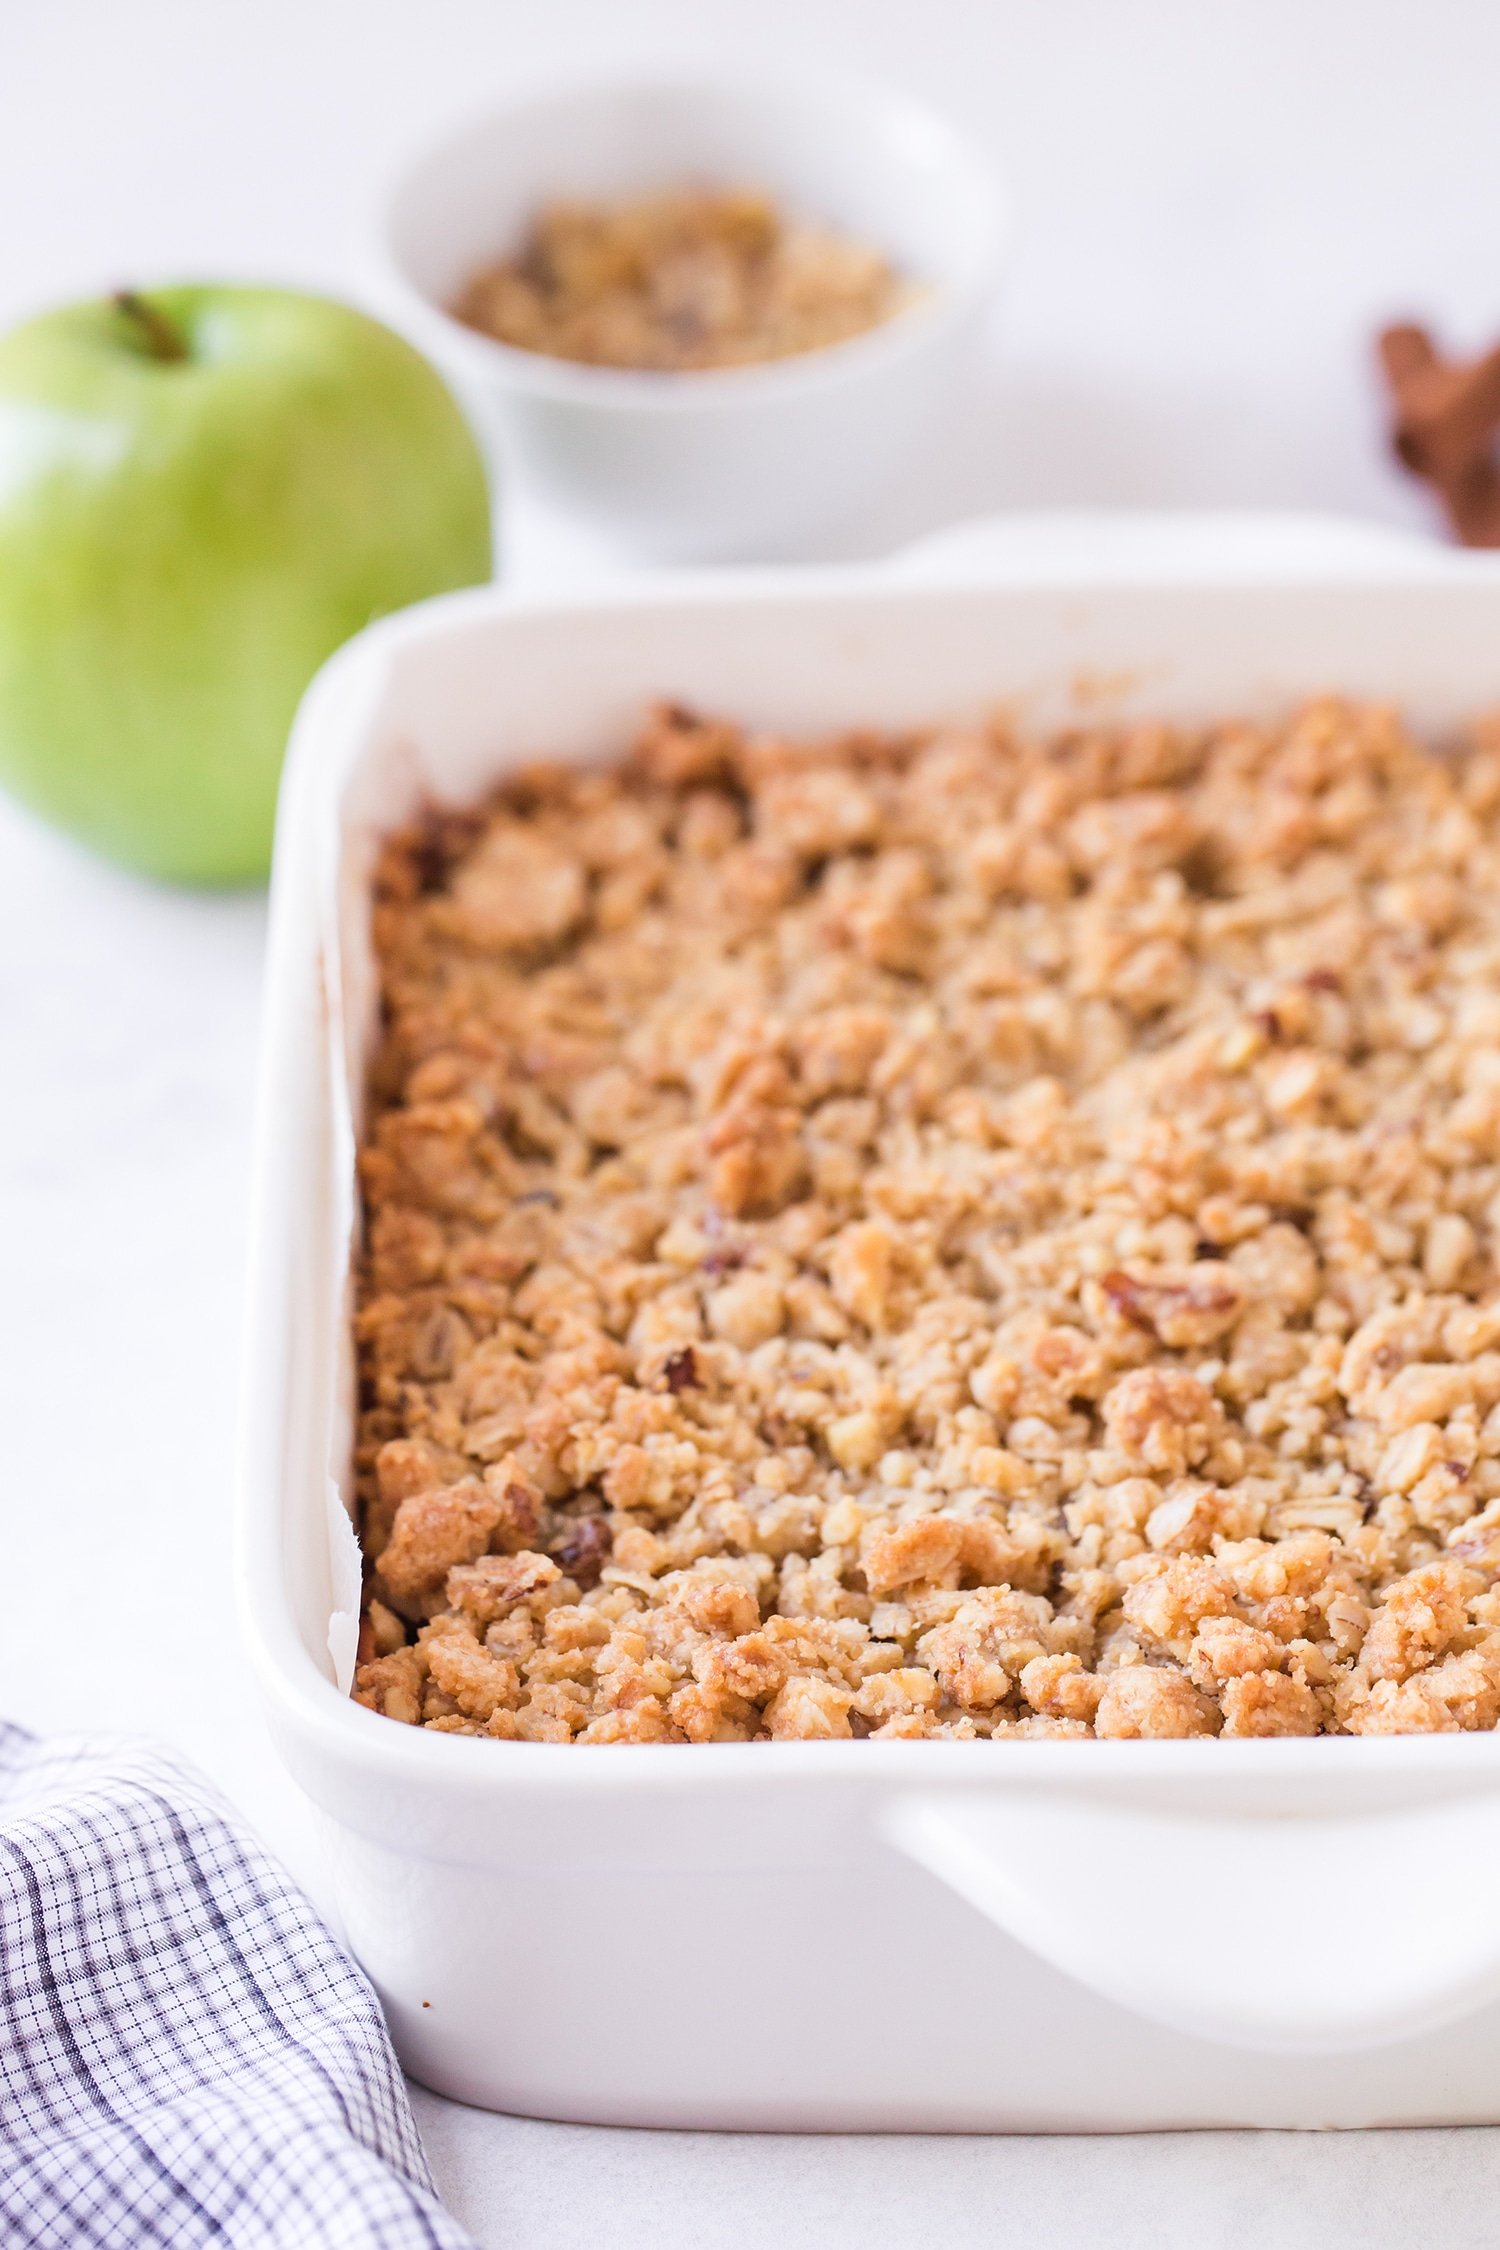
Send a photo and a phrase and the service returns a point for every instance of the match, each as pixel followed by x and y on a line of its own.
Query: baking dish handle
pixel 1154 545
pixel 1295 1934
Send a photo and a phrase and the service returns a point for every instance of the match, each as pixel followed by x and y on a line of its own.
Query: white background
pixel 1217 203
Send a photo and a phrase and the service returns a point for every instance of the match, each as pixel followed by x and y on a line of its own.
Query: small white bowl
pixel 727 462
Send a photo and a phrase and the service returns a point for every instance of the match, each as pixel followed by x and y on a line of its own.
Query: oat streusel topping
pixel 691 278
pixel 941 1236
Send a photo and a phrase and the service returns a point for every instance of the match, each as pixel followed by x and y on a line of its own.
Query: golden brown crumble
pixel 940 1235
pixel 690 278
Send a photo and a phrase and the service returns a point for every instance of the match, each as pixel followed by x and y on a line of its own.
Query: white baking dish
pixel 1028 1936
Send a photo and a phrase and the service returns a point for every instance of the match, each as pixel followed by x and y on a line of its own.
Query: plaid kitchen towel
pixel 186 2056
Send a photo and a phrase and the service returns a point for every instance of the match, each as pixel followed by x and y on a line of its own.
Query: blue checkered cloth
pixel 186 2056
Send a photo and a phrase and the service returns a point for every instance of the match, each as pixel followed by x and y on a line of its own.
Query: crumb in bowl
pixel 686 279
pixel 940 1235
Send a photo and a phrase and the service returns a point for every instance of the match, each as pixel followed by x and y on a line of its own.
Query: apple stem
pixel 161 339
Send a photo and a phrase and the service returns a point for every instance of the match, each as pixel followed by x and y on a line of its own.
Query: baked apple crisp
pixel 940 1235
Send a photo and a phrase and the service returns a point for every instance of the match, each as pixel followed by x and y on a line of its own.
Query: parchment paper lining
pixel 388 788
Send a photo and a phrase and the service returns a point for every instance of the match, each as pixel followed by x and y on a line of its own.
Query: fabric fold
pixel 186 2054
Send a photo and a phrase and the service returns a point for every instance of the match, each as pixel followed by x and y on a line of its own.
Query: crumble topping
pixel 940 1235
pixel 690 278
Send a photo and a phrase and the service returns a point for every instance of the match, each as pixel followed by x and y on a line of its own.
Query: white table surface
pixel 1217 205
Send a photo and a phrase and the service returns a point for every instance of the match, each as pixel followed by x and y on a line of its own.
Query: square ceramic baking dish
pixel 950 1936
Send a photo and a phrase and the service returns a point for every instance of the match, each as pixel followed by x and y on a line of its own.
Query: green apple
pixel 202 493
